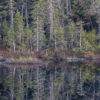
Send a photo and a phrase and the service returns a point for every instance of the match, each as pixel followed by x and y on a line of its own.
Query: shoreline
pixel 40 57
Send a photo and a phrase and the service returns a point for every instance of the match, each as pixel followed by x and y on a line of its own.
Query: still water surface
pixel 51 81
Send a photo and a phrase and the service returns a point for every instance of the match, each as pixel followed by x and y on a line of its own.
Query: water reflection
pixel 51 81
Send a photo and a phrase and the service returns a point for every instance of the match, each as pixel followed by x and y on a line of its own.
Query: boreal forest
pixel 49 49
pixel 35 25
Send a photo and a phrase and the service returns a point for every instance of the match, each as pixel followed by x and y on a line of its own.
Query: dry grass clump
pixel 25 60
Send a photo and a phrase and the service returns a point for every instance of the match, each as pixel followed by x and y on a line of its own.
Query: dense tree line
pixel 60 24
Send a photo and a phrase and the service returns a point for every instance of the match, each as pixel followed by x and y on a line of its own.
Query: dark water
pixel 51 81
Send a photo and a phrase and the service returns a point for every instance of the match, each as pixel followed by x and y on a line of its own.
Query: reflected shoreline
pixel 60 80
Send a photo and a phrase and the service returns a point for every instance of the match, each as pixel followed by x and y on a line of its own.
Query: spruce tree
pixel 18 29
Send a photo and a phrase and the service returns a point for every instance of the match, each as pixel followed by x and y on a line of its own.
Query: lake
pixel 50 81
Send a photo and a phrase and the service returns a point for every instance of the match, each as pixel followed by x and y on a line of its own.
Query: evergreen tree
pixel 3 9
pixel 89 39
pixel 18 29
pixel 11 39
pixel 28 39
pixel 57 37
pixel 39 24
pixel 4 31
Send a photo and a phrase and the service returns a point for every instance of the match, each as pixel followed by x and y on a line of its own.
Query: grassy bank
pixel 44 55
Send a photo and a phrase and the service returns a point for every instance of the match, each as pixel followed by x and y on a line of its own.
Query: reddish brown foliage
pixel 92 55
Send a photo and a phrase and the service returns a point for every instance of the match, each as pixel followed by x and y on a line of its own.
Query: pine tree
pixel 3 9
pixel 38 18
pixel 57 37
pixel 28 39
pixel 11 39
pixel 18 29
pixel 89 39
pixel 16 33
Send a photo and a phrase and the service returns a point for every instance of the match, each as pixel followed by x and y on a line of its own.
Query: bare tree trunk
pixel 67 95
pixel 26 14
pixel 51 88
pixel 12 95
pixel 22 10
pixel 59 2
pixel 11 12
pixel 14 46
pixel 80 39
pixel 72 40
pixel 69 6
pixel 99 27
pixel 12 88
pixel 55 43
pixel 81 35
pixel 40 24
pixel 37 32
pixel 21 84
pixel 94 91
pixel 38 97
pixel 51 11
pixel 81 84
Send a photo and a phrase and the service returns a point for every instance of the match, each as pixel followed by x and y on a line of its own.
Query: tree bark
pixel 69 6
pixel 55 43
pixel 51 16
pixel 14 46
pixel 38 97
pixel 12 79
pixel 11 12
pixel 37 31
pixel 99 27
pixel 22 9
pixel 51 88
pixel 26 14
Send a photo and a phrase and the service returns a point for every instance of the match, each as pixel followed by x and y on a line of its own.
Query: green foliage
pixel 72 33
pixel 88 76
pixel 89 39
pixel 58 36
pixel 74 25
pixel 78 50
pixel 11 37
pixel 27 40
pixel 80 7
pixel 18 27
pixel 97 49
